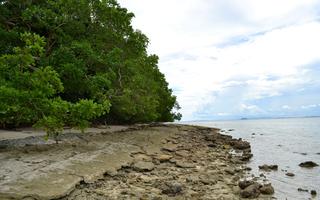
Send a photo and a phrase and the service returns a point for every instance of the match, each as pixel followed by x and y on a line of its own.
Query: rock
pixel 230 171
pixel 267 189
pixel 247 168
pixel 308 164
pixel 145 179
pixel 142 166
pixel 246 156
pixel 183 153
pixel 302 190
pixel 211 138
pixel 207 179
pixel 192 179
pixel 212 145
pixel 252 191
pixel 239 144
pixel 268 167
pixel 290 174
pixel 170 147
pixel 245 183
pixel 172 189
pixel 262 175
pixel 164 157
pixel 184 164
pixel 313 192
pixel 231 130
pixel 253 134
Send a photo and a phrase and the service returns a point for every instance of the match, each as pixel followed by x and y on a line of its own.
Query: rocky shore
pixel 157 161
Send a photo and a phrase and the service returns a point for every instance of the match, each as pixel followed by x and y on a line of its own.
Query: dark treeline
pixel 72 62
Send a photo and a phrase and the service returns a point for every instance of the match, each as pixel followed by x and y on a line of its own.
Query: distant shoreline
pixel 240 119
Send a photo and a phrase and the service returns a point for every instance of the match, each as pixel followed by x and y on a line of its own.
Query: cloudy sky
pixel 227 59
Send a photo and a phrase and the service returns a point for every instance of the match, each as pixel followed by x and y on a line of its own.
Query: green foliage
pixel 78 115
pixel 28 93
pixel 25 89
pixel 72 62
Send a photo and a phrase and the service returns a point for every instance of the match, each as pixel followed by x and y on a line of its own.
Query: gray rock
pixel 164 157
pixel 207 179
pixel 252 191
pixel 171 189
pixel 183 164
pixel 245 183
pixel 143 166
pixel 246 156
pixel 268 167
pixel 247 168
pixel 308 164
pixel 267 189
pixel 212 145
pixel 302 190
pixel 170 147
pixel 290 174
pixel 240 144
pixel 230 171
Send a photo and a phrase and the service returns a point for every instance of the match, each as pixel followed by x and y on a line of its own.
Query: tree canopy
pixel 72 62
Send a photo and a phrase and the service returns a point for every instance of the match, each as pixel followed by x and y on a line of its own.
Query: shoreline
pixel 156 161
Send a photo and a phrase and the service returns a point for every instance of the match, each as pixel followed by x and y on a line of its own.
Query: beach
pixel 155 161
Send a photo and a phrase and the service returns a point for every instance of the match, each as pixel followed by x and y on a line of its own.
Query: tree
pixel 28 92
pixel 91 57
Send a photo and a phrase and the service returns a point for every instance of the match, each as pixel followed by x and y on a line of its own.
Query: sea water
pixel 284 142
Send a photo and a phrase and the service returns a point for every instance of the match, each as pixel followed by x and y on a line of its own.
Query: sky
pixel 231 59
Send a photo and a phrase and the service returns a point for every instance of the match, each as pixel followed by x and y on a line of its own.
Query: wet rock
pixel 313 192
pixel 267 189
pixel 252 191
pixel 268 167
pixel 245 183
pixel 262 175
pixel 246 156
pixel 308 164
pixel 290 174
pixel 302 190
pixel 240 144
pixel 171 189
pixel 247 168
pixel 142 166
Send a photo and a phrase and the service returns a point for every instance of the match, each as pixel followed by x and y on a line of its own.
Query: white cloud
pixel 223 114
pixel 309 106
pixel 268 44
pixel 286 107
pixel 250 108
